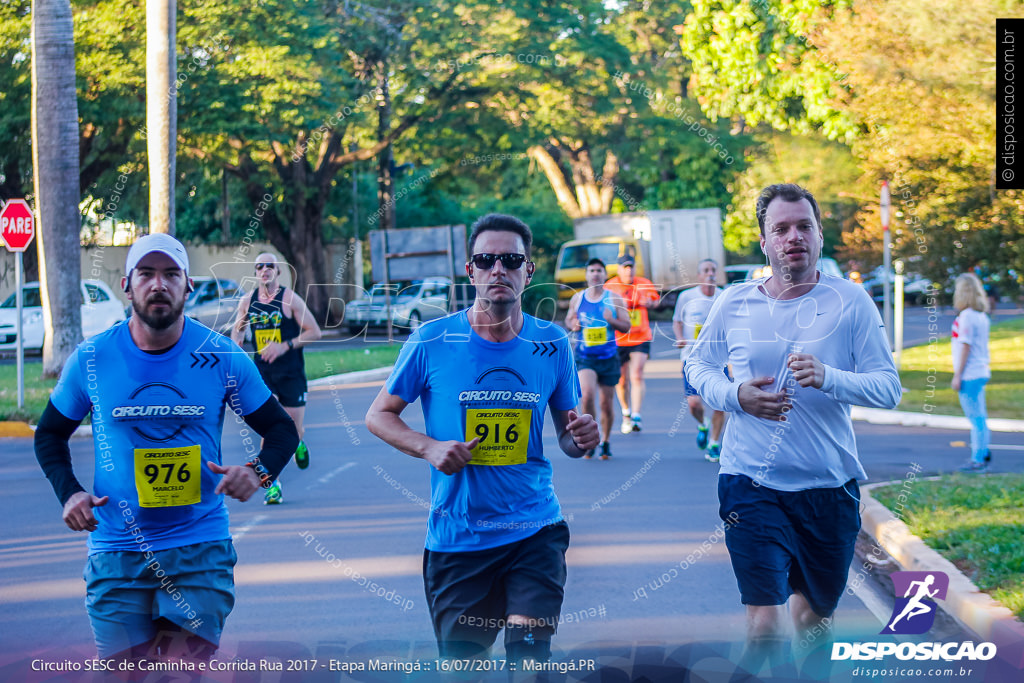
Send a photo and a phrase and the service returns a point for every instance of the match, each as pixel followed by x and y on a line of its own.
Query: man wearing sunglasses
pixel 496 538
pixel 281 325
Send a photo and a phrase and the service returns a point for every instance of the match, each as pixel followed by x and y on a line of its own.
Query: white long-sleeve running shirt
pixel 815 447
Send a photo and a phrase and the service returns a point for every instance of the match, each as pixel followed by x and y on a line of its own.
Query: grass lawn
pixel 975 522
pixel 326 363
pixel 37 391
pixel 927 371
pixel 318 364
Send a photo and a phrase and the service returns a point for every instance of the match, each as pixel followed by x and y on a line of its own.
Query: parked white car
pixel 100 310
pixel 752 271
pixel 411 305
pixel 214 303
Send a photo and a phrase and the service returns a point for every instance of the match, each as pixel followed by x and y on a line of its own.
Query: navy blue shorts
pixel 608 369
pixel 470 593
pixel 781 542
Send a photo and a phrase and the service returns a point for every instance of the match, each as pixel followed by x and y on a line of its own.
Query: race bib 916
pixel 504 435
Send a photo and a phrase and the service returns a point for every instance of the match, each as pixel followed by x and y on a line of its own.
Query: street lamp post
pixel 886 263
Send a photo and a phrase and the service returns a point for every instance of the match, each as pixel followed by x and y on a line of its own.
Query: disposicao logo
pixel 914 614
pixel 914 611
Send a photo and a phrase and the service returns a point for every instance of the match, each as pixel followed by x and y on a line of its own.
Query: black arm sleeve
pixel 54 453
pixel 280 438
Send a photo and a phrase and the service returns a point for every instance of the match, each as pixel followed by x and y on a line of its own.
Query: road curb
pixel 15 429
pixel 909 419
pixel 965 602
pixel 358 377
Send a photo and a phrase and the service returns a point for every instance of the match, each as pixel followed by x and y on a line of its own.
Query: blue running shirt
pixel 471 387
pixel 596 338
pixel 156 420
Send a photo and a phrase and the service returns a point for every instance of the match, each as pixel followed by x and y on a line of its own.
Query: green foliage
pixel 757 60
pixel 825 168
pixel 975 522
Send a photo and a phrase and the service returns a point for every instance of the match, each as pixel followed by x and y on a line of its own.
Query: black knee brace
pixel 528 642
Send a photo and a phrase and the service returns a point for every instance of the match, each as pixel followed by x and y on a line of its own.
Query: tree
pixel 284 97
pixel 866 73
pixel 56 173
pixel 757 62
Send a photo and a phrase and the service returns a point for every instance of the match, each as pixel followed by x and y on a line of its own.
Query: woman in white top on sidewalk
pixel 971 365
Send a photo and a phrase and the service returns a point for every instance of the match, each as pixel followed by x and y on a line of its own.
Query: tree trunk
pixel 55 161
pixel 161 112
pixel 579 192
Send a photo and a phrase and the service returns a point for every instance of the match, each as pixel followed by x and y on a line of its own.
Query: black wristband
pixel 291 344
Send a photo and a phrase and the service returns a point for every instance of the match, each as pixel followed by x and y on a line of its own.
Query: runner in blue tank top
pixel 159 576
pixel 595 314
pixel 496 540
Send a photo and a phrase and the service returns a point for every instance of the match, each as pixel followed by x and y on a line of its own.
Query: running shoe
pixel 606 450
pixel 302 456
pixel 713 453
pixel 637 423
pixel 974 467
pixel 273 494
pixel 588 454
pixel 702 437
pixel 627 425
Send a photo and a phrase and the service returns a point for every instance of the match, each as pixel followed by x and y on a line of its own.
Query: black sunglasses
pixel 508 261
pixel 261 266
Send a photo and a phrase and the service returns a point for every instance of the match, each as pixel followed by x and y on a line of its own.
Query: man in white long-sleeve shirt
pixel 804 346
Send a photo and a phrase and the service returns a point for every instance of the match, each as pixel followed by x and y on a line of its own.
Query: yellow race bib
pixel 595 336
pixel 697 329
pixel 504 435
pixel 166 477
pixel 634 317
pixel 264 337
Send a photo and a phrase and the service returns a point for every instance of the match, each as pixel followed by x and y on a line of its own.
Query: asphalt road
pixel 359 511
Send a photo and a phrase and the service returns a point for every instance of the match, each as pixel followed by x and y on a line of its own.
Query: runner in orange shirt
pixel 635 345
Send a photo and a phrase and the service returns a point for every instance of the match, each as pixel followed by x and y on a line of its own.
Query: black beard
pixel 158 322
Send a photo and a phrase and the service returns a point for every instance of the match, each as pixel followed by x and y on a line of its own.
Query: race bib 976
pixel 166 477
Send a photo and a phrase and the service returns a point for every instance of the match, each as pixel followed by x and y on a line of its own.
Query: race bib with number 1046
pixel 504 435
pixel 166 477
pixel 264 337
pixel 595 336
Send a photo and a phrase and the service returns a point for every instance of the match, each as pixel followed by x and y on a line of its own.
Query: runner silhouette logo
pixel 914 611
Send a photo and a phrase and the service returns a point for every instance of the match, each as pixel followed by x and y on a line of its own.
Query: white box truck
pixel 666 244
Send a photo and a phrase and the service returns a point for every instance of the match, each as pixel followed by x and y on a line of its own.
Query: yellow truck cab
pixel 571 266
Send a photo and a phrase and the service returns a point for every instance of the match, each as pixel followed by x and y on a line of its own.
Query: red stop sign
pixel 17 226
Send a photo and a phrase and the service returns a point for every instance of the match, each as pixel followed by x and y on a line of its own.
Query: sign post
pixel 886 264
pixel 17 228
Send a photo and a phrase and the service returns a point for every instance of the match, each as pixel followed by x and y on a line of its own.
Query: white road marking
pixel 242 531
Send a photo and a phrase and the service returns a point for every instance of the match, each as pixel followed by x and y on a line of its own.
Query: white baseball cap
pixel 161 242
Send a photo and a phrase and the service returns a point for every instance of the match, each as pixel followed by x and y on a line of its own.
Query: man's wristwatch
pixel 291 344
pixel 261 472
